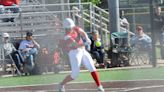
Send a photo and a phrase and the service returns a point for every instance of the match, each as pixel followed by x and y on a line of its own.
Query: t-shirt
pixel 8 48
pixel 25 44
pixel 143 41
pixel 124 23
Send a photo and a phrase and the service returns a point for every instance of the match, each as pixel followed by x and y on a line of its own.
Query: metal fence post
pixel 133 20
pixel 82 16
pixel 154 61
pixel 90 9
pixel 100 27
pixel 21 23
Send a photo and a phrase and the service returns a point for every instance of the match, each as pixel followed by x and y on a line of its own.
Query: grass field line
pixel 143 87
pixel 116 68
pixel 74 90
pixel 84 82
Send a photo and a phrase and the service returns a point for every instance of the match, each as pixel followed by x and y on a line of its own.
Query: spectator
pixel 29 49
pixel 14 9
pixel 142 42
pixel 158 28
pixel 2 9
pixel 9 49
pixel 64 49
pixel 76 15
pixel 124 27
pixel 97 49
pixel 44 59
pixel 123 21
pixel 9 2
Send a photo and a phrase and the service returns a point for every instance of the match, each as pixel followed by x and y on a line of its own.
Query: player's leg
pixel 75 57
pixel 89 64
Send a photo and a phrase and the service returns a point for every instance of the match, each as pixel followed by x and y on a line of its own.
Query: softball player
pixel 77 54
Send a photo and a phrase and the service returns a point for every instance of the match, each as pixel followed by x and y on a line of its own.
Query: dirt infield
pixel 113 86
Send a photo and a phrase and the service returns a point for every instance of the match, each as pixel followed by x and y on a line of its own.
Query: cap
pixel 5 35
pixel 29 34
pixel 68 23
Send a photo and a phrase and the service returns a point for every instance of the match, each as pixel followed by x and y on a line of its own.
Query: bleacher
pixel 45 21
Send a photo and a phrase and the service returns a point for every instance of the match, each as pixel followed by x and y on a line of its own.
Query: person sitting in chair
pixel 142 41
pixel 97 49
pixel 13 9
pixel 10 51
pixel 29 49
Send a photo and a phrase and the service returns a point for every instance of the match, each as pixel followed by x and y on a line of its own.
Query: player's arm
pixel 84 35
pixel 70 41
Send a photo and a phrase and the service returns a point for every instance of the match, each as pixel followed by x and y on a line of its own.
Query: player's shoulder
pixel 79 30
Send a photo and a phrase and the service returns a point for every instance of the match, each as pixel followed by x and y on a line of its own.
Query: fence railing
pixel 48 17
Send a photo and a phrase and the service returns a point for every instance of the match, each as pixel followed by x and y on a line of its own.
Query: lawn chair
pixel 120 49
pixel 8 63
pixel 2 59
pixel 139 56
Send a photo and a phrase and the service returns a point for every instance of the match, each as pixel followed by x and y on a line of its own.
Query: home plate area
pixel 113 86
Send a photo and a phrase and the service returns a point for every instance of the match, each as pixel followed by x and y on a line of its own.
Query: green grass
pixel 158 55
pixel 109 75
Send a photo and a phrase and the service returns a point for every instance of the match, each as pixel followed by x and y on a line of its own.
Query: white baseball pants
pixel 77 57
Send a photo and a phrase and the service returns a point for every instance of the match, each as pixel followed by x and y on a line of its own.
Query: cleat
pixel 61 88
pixel 100 89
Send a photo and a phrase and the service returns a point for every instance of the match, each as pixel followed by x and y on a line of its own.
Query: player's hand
pixel 67 37
pixel 87 42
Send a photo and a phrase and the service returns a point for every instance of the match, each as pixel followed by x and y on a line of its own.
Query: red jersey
pixel 75 35
pixel 74 40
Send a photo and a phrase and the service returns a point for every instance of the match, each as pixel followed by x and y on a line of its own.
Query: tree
pixel 96 2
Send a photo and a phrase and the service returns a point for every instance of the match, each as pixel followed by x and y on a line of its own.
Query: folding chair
pixel 4 62
pixel 13 62
pixel 1 59
pixel 139 57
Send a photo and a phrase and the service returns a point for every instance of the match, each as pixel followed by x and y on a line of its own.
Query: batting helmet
pixel 68 23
